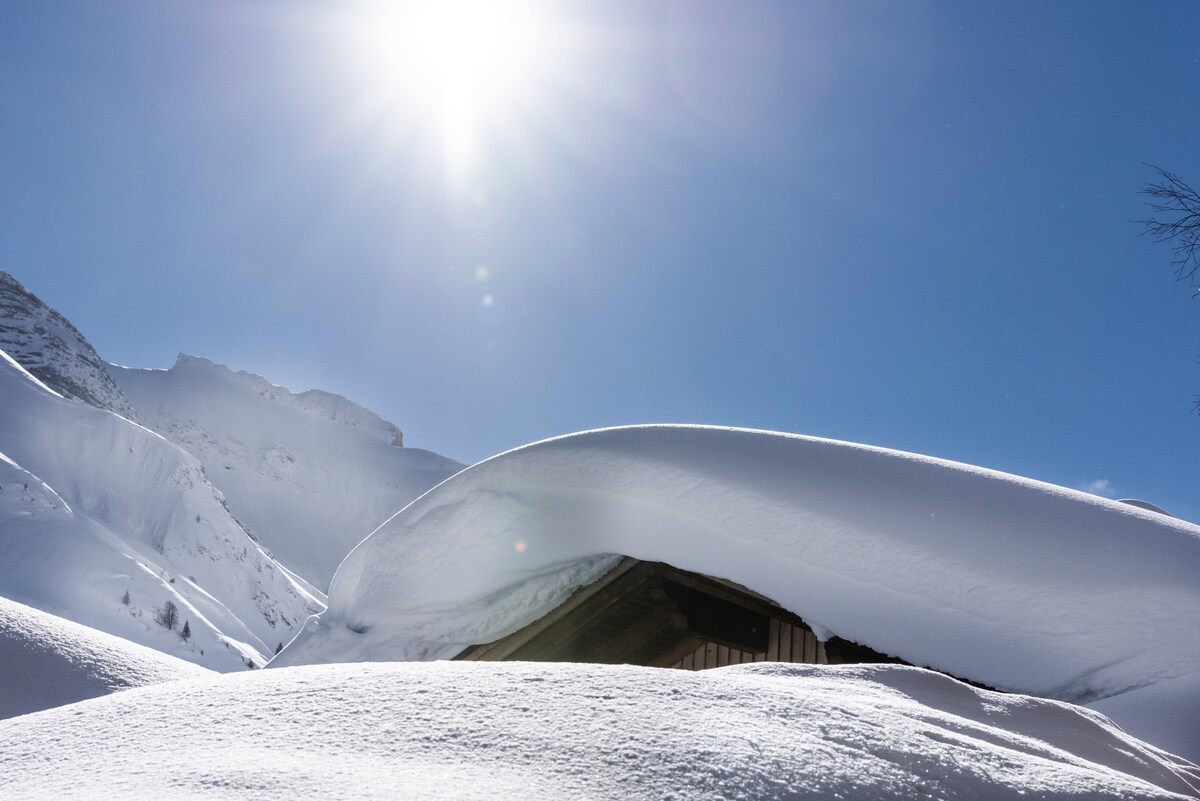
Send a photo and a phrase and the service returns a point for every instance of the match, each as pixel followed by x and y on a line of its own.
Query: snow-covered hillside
pixel 47 345
pixel 46 661
pixel 106 523
pixel 309 475
pixel 1002 580
pixel 554 732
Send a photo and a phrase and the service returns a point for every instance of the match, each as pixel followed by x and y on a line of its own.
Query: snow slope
pixel 1166 714
pixel 46 661
pixel 308 474
pixel 46 344
pixel 1002 580
pixel 104 523
pixel 540 731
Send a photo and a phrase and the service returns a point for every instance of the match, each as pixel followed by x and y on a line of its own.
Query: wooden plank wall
pixel 710 655
pixel 787 643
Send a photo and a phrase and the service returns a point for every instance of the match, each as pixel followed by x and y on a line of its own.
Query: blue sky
pixel 904 224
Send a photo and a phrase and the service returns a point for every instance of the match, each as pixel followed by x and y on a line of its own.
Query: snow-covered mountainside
pixel 529 732
pixel 108 524
pixel 1006 581
pixel 48 661
pixel 309 475
pixel 47 345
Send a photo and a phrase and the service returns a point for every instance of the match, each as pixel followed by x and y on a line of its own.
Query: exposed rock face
pixel 47 345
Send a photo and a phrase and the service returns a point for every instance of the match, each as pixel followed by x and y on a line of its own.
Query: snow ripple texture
pixel 554 732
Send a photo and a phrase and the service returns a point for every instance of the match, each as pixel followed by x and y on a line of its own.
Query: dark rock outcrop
pixel 46 344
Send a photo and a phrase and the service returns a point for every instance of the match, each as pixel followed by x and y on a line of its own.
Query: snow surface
pixel 1003 580
pixel 1166 714
pixel 46 661
pixel 308 474
pixel 93 507
pixel 563 731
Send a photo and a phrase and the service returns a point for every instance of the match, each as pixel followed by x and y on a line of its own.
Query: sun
pixel 460 64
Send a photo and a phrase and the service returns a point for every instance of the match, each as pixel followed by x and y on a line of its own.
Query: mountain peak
pixel 308 474
pixel 315 402
pixel 45 343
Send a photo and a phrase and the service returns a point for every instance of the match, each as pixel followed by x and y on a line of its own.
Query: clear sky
pixel 906 224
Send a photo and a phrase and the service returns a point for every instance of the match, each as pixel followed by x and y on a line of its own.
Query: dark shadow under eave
pixel 657 615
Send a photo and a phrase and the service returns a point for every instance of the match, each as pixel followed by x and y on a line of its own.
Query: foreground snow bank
pixel 46 661
pixel 999 579
pixel 529 731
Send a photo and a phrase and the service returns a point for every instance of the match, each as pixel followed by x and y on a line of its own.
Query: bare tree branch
pixel 1176 219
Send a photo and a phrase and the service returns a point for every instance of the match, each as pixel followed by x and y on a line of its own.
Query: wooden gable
pixel 650 613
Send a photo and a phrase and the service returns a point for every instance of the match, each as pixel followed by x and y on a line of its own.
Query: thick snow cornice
pixel 1000 579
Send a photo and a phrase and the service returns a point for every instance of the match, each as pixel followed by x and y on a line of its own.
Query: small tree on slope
pixel 168 616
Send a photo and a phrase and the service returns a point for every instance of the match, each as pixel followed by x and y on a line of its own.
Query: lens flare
pixel 457 62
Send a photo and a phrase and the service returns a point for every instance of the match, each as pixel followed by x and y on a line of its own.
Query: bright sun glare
pixel 460 62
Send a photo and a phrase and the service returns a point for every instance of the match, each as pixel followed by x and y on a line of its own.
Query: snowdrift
pixel 1166 714
pixel 46 661
pixel 1002 580
pixel 531 732
pixel 309 474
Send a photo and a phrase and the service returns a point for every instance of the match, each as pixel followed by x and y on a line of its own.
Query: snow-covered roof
pixel 1000 579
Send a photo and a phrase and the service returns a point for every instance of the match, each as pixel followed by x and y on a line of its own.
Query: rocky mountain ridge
pixel 46 344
